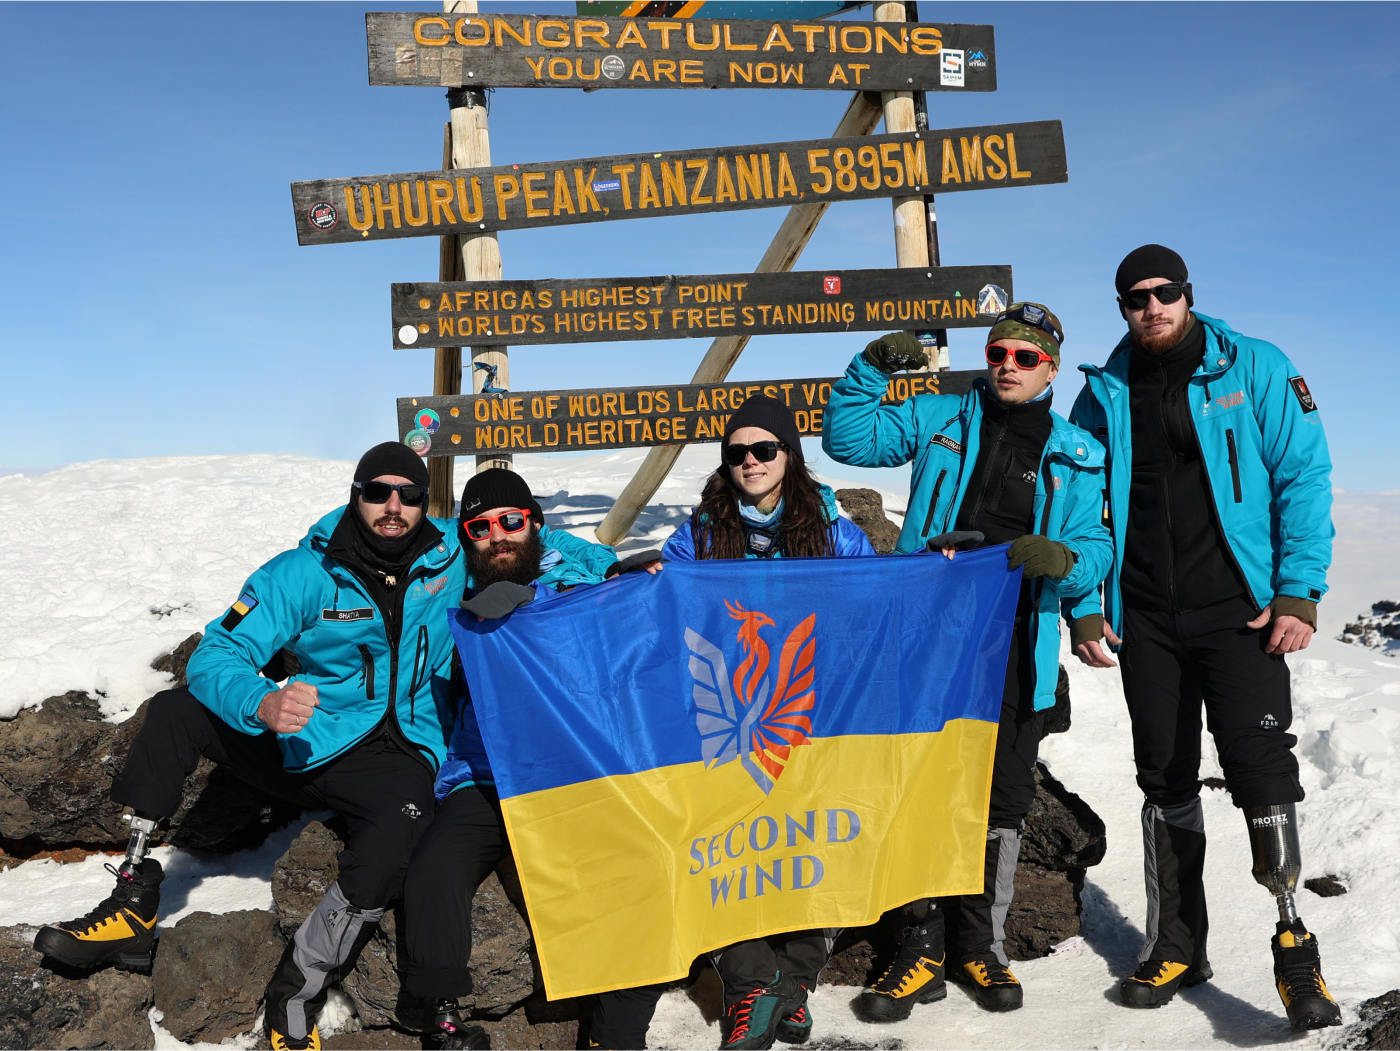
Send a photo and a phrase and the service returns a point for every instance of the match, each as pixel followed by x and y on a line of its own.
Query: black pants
pixel 1172 665
pixel 801 954
pixel 384 794
pixel 460 849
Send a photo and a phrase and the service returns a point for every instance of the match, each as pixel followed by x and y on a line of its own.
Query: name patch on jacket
pixel 1305 398
pixel 246 603
pixel 365 613
pixel 947 443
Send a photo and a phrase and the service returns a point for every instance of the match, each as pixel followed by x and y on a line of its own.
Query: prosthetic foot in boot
pixel 751 1020
pixel 1155 982
pixel 993 985
pixel 914 976
pixel 450 1033
pixel 120 931
pixel 1298 973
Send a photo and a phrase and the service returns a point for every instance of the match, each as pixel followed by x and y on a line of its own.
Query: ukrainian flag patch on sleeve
pixel 246 604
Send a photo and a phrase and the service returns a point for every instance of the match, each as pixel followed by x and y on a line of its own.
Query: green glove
pixel 896 351
pixel 1041 557
pixel 1288 606
pixel 1088 628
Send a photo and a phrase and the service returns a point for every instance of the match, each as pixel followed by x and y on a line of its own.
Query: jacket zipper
pixel 419 655
pixel 933 503
pixel 1234 464
pixel 1167 504
pixel 367 659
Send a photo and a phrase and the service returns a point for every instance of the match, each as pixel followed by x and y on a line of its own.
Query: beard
pixel 522 568
pixel 1164 341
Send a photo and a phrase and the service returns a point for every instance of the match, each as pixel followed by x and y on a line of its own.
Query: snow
pixel 138 554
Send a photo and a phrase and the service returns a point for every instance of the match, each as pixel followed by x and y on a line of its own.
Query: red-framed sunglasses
pixel 1024 359
pixel 509 521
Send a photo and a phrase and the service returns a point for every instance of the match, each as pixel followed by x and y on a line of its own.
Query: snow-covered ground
pixel 133 556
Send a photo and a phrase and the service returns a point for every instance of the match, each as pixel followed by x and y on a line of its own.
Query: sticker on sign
pixel 951 68
pixel 611 184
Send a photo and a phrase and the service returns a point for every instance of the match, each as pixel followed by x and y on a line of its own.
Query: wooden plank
pixel 624 417
pixel 513 50
pixel 617 309
pixel 684 182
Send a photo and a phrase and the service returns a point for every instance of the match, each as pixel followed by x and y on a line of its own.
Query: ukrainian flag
pixel 731 749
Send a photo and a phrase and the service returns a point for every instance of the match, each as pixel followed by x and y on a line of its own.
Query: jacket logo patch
pixel 246 603
pixel 1229 401
pixel 432 587
pixel 1305 398
pixel 340 615
pixel 947 443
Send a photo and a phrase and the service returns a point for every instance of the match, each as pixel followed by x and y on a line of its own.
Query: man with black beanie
pixel 1219 501
pixel 354 619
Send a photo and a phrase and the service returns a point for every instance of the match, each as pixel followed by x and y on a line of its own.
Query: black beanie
pixel 1147 262
pixel 393 458
pixel 497 487
pixel 773 416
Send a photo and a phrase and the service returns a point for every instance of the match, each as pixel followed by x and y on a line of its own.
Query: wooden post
pixel 447 364
pixel 935 257
pixel 860 118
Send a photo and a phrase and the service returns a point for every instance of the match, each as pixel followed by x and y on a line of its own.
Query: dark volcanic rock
pixel 867 510
pixel 211 971
pixel 40 1008
pixel 1379 1026
pixel 175 661
pixel 1062 831
pixel 1057 718
pixel 305 872
pixel 56 767
pixel 1325 886
pixel 1044 913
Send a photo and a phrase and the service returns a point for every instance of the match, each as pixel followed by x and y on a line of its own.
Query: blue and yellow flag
pixel 738 748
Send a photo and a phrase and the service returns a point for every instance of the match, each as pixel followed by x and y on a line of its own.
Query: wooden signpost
pixel 682 182
pixel 587 310
pixel 624 417
pixel 532 51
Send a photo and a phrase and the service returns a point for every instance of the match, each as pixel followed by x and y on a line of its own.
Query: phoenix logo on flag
pixel 746 716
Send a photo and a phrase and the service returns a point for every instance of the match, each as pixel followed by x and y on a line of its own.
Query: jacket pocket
pixel 368 661
pixel 933 501
pixel 1234 464
pixel 420 669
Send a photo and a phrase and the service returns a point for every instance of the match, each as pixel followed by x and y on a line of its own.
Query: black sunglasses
pixel 1136 299
pixel 763 452
pixel 379 492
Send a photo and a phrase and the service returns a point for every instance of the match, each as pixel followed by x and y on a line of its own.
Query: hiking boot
pixel 795 1027
pixel 283 1042
pixel 751 1021
pixel 1298 972
pixel 993 984
pixel 1155 982
pixel 120 931
pixel 450 1033
pixel 914 976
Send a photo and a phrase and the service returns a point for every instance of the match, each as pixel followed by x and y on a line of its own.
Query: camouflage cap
pixel 1032 322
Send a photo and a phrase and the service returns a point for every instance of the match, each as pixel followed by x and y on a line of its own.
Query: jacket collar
pixel 437 556
pixel 1222 347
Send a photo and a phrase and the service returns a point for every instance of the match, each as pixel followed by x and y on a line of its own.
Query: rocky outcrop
pixel 211 971
pixel 866 509
pixel 44 1008
pixel 1378 1027
pixel 1377 630
pixel 57 763
pixel 175 662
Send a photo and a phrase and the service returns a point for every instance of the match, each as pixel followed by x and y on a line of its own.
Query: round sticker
pixel 419 441
pixel 408 334
pixel 613 67
pixel 427 420
pixel 322 215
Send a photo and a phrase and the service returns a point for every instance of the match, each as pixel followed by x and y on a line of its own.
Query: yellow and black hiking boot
pixel 914 976
pixel 993 984
pixel 1298 973
pixel 1155 982
pixel 121 930
pixel 283 1042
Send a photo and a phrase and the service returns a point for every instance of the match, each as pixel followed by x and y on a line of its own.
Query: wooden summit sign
pixel 683 182
pixel 588 310
pixel 625 417
pixel 536 51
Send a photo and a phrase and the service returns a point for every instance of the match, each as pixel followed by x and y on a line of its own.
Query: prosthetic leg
pixel 1273 839
pixel 122 929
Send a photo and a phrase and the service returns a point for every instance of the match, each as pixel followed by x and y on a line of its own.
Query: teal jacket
pixel 315 607
pixel 1265 454
pixel 940 433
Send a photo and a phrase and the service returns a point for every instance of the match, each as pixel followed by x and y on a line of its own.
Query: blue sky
pixel 155 301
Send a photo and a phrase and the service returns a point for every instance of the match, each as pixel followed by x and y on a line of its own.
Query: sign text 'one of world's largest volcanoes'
pixel 540 51
pixel 683 182
pixel 587 310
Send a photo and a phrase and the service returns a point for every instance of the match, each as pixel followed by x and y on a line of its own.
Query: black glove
pixel 633 562
pixel 959 540
pixel 896 351
pixel 1041 557
pixel 496 601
